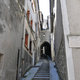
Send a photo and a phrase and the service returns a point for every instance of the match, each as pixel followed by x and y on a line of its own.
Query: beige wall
pixel 73 9
pixel 76 61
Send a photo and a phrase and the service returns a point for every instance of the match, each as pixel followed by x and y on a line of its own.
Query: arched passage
pixel 45 49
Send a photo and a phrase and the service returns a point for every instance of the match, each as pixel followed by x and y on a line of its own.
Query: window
pixel 31 23
pixel 28 14
pixel 26 39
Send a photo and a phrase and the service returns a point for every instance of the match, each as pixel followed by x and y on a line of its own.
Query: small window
pixel 31 23
pixel 28 14
pixel 26 39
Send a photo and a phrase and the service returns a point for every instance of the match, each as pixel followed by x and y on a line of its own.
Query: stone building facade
pixel 17 37
pixel 45 38
pixel 67 39
pixel 59 45
pixel 11 24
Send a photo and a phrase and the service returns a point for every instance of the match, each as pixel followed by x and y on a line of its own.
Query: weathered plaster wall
pixel 73 8
pixel 11 23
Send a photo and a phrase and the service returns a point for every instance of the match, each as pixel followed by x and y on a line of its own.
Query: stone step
pixel 41 76
pixel 40 79
pixel 43 72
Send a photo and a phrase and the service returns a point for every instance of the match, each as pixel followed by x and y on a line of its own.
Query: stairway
pixel 43 72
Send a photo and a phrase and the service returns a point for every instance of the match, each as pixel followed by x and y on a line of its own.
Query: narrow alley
pixel 39 39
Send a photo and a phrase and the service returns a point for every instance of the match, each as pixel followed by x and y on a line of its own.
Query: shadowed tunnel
pixel 45 49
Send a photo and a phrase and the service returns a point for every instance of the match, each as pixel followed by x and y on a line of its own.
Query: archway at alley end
pixel 45 50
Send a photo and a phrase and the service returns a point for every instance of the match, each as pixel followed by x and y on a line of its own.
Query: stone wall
pixel 45 36
pixel 59 45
